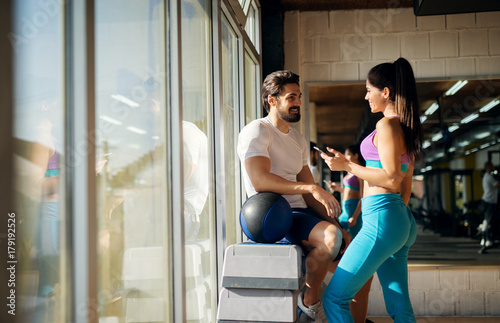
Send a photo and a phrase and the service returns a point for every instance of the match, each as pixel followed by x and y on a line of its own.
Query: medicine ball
pixel 266 217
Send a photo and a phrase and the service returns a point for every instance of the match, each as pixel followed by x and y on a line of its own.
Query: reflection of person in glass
pixel 489 204
pixel 46 156
pixel 195 177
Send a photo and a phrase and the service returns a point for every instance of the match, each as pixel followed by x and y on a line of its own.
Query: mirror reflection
pixel 461 126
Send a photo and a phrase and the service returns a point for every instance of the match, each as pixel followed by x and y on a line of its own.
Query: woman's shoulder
pixel 388 124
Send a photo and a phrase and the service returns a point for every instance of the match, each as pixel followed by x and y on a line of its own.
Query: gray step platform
pixel 263 266
pixel 257 305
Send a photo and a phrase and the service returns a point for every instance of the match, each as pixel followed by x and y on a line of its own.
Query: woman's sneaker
pixel 315 312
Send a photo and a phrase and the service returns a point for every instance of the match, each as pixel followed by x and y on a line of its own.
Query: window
pixel 252 25
pixel 197 133
pixel 40 247
pixel 132 187
pixel 113 226
pixel 252 100
pixel 230 107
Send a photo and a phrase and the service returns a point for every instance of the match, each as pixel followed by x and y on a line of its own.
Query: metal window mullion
pixel 218 137
pixel 241 118
pixel 176 165
pixel 80 158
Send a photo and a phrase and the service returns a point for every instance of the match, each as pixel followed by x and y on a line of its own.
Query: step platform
pixel 261 283
pixel 257 305
pixel 263 266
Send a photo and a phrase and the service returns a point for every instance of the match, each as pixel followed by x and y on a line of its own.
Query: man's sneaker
pixel 315 312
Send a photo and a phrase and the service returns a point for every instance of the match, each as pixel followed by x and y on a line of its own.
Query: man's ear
pixel 271 100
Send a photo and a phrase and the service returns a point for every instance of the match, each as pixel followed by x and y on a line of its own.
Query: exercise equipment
pixel 266 217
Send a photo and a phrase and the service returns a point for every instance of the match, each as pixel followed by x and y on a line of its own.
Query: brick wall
pixel 344 45
pixel 444 292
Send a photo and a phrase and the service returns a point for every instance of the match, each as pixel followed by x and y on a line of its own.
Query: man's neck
pixel 279 123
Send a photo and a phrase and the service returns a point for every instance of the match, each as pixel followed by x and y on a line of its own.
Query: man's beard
pixel 289 117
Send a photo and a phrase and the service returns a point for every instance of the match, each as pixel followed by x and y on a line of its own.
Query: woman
pixel 388 228
pixel 351 194
pixel 352 222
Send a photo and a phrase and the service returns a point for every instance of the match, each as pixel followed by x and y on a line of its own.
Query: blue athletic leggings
pixel 348 209
pixel 381 246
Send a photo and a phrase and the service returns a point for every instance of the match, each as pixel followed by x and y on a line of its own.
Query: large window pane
pixel 40 253
pixel 197 129
pixel 252 25
pixel 252 102
pixel 132 186
pixel 230 111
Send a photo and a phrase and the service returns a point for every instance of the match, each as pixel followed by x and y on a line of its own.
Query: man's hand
pixel 328 200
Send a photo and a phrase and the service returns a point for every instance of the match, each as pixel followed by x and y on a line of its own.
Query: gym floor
pixel 431 249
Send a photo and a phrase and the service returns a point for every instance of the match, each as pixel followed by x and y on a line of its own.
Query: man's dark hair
pixel 273 85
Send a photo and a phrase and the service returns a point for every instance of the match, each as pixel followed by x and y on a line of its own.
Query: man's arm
pixel 306 176
pixel 259 171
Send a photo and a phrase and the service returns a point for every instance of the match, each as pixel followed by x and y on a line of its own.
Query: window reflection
pixel 251 95
pixel 37 40
pixel 199 215
pixel 251 25
pixel 132 189
pixel 231 129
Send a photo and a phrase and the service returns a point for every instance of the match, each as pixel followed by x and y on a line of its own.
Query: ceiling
pixel 343 116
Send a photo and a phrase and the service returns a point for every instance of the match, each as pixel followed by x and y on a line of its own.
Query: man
pixel 489 200
pixel 274 158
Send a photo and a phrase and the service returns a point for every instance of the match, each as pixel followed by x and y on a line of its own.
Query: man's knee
pixel 326 238
pixel 333 240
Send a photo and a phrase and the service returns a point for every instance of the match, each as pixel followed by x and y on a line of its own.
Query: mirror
pixel 461 124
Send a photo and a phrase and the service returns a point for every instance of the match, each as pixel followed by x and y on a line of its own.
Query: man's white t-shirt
pixel 286 151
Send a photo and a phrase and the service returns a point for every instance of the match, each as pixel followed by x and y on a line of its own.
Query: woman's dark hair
pixel 399 79
pixel 273 84
pixel 355 149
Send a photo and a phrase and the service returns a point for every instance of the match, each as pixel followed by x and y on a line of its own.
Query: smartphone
pixel 321 151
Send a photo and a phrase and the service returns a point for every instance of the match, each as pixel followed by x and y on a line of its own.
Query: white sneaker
pixel 315 312
pixel 488 244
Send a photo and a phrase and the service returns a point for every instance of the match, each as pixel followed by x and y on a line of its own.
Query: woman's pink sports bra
pixel 351 182
pixel 370 154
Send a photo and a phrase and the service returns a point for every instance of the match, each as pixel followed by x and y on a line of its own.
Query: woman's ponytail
pixel 406 103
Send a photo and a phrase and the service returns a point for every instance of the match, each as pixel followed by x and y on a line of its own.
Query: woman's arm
pixel 335 187
pixel 388 142
pixel 406 184
pixel 352 220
